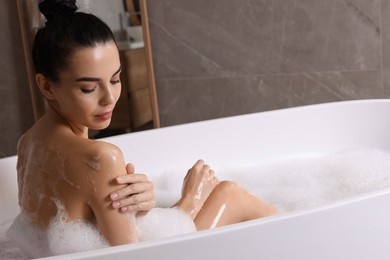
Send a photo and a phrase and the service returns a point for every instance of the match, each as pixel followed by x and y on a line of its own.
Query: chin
pixel 101 126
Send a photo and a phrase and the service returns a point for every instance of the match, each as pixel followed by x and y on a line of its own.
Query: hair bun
pixel 57 8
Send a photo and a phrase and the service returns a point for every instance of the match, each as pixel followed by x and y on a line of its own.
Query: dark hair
pixel 65 31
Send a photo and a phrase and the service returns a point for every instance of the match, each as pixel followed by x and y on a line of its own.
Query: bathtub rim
pixel 253 114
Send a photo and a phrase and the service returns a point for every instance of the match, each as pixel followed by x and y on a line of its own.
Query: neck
pixel 55 113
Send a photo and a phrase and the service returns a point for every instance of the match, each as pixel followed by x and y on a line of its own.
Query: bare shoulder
pixel 93 165
pixel 104 150
pixel 22 141
pixel 102 156
pixel 103 162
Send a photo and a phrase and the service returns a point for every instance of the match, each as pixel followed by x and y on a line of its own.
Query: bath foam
pixel 68 236
pixel 64 236
pixel 307 182
pixel 61 236
pixel 164 222
pixel 31 241
pixel 298 182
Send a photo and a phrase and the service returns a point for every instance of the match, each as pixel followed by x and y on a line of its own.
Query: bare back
pixel 55 165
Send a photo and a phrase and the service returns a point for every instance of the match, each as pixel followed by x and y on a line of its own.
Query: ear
pixel 45 86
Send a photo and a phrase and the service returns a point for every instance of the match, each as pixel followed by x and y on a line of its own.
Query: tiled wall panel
pixel 216 58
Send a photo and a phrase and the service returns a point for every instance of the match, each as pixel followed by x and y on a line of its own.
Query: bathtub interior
pixel 8 191
pixel 244 140
pixel 317 129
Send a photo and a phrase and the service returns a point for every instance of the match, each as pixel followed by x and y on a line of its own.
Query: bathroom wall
pixel 216 58
pixel 108 11
pixel 16 114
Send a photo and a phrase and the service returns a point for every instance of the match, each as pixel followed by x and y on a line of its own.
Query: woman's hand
pixel 198 184
pixel 138 195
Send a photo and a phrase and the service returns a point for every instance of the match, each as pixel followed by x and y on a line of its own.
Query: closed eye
pixel 113 82
pixel 87 90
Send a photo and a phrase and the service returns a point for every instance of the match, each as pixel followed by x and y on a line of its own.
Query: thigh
pixel 229 203
pixel 220 208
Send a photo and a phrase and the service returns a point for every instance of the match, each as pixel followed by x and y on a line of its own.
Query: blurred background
pixel 218 58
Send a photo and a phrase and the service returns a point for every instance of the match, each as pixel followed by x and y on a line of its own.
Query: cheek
pixel 76 106
pixel 117 92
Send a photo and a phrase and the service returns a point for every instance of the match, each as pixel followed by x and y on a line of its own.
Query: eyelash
pixel 113 82
pixel 89 91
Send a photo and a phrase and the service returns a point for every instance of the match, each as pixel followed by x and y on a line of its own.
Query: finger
pixel 132 189
pixel 144 206
pixel 138 198
pixel 199 164
pixel 142 187
pixel 131 178
pixel 197 167
pixel 130 168
pixel 206 168
pixel 213 177
pixel 188 173
pixel 134 199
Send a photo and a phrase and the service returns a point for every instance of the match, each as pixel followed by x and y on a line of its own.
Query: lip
pixel 105 116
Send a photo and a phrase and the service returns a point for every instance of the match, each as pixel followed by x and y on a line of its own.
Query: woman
pixel 64 176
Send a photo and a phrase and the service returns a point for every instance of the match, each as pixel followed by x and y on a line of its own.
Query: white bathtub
pixel 353 228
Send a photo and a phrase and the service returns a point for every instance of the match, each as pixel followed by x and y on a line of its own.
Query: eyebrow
pixel 92 79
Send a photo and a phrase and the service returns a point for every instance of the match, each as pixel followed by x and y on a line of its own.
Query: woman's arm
pixel 198 184
pixel 117 228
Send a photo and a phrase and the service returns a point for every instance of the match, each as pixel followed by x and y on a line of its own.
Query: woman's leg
pixel 229 203
pixel 211 203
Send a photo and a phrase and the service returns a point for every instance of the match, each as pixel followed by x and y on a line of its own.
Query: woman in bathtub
pixel 65 178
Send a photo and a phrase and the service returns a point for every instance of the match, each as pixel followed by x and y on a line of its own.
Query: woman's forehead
pixel 100 58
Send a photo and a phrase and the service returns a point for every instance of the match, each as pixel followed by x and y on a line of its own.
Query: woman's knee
pixel 227 187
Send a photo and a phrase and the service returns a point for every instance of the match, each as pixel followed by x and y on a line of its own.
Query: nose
pixel 107 97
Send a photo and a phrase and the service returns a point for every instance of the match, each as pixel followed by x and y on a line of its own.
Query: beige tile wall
pixel 217 58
